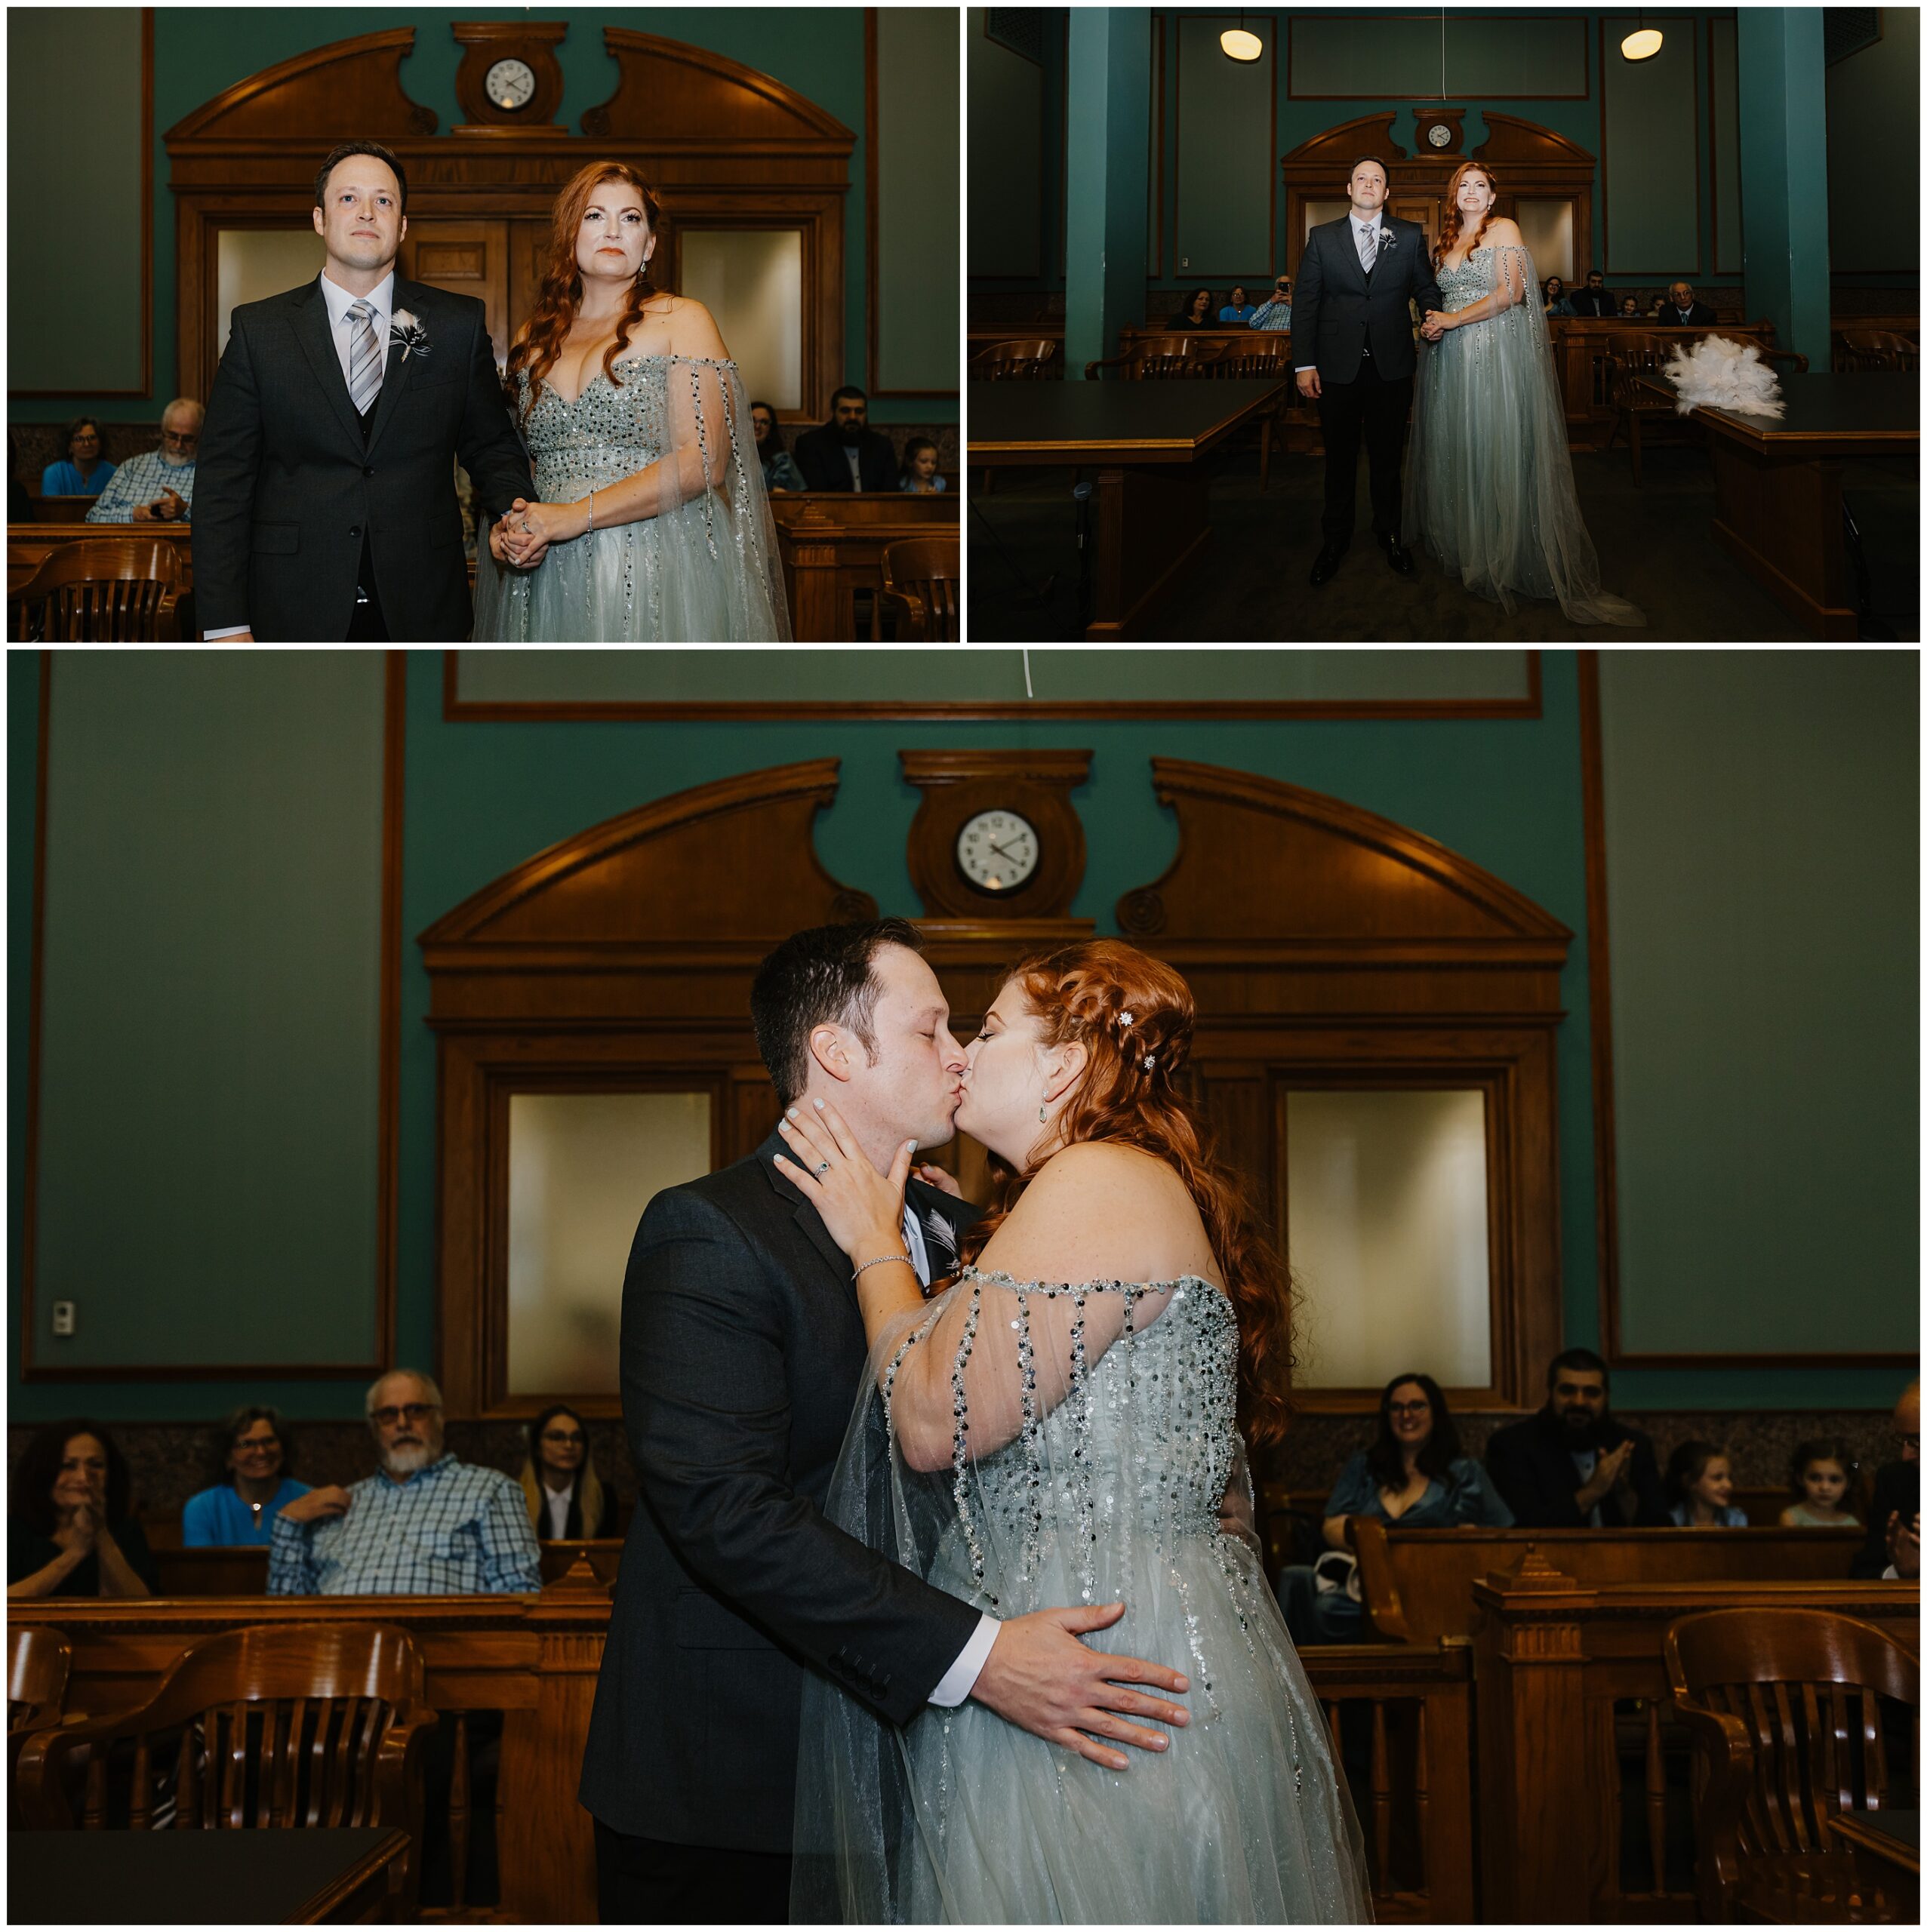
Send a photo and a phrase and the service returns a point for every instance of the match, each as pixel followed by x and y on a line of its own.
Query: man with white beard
pixel 425 1525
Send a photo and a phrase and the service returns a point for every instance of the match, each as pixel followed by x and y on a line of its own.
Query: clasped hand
pixel 1434 325
pixel 522 536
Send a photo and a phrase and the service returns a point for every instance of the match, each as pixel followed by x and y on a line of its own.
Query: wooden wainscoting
pixel 833 543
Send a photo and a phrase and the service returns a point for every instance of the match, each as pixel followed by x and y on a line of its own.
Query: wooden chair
pixel 1881 349
pixel 279 1726
pixel 1628 357
pixel 1785 1708
pixel 38 1662
pixel 1265 355
pixel 921 578
pixel 1032 359
pixel 102 590
pixel 1160 358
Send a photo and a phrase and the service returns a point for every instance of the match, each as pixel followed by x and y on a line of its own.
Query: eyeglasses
pixel 187 437
pixel 1911 1442
pixel 565 1437
pixel 1409 1408
pixel 414 1411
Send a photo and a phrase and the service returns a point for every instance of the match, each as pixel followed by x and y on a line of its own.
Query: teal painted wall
pixel 482 797
pixel 1873 153
pixel 200 50
pixel 1014 223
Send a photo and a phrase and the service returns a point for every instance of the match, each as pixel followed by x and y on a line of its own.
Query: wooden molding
pixel 665 88
pixel 956 785
pixel 301 99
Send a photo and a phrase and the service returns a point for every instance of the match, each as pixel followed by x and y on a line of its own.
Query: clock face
pixel 1439 134
pixel 997 851
pixel 510 84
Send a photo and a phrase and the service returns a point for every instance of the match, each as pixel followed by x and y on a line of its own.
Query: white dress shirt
pixel 555 1508
pixel 961 1679
pixel 1376 225
pixel 342 332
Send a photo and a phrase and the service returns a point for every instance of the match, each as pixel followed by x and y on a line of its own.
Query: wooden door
pixel 465 258
pixel 1406 205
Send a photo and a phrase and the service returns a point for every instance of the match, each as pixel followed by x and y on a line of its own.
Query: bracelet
pixel 880 1259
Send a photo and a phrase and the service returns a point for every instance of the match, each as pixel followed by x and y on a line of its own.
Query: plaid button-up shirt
pixel 140 480
pixel 455 1530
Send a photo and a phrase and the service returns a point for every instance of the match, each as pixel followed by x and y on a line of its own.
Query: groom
pixel 324 507
pixel 1351 337
pixel 743 1351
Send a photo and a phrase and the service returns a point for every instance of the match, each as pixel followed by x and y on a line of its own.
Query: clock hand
pixel 996 848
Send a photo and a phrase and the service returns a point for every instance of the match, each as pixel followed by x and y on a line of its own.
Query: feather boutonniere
pixel 406 329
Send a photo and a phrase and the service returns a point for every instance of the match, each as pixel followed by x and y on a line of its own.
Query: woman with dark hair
pixel 1066 1424
pixel 68 1533
pixel 565 1497
pixel 254 1470
pixel 780 470
pixel 1416 1474
pixel 1198 314
pixel 1552 292
pixel 83 472
pixel 650 523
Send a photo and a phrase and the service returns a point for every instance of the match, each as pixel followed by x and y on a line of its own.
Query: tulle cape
pixel 1489 479
pixel 705 569
pixel 1069 1445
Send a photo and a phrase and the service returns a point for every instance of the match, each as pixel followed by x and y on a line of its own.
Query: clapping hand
pixel 1903 1544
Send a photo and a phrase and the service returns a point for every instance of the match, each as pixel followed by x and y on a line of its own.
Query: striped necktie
pixel 364 359
pixel 1368 248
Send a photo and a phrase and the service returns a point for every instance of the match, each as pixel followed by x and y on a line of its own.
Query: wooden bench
pixel 833 543
pixel 1419 1585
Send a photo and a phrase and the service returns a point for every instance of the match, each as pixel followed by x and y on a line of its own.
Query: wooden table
pixel 1887 1848
pixel 1776 483
pixel 1147 441
pixel 225 1877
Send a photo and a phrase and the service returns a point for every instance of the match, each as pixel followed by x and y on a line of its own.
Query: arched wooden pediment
pixel 1269 875
pixel 702 883
pixel 349 84
pixel 1510 138
pixel 1370 133
pixel 671 94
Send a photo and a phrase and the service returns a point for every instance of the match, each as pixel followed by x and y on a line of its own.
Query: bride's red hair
pixel 1081 993
pixel 1454 221
pixel 560 296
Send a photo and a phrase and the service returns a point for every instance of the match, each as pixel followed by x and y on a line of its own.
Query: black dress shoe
pixel 1398 556
pixel 1326 567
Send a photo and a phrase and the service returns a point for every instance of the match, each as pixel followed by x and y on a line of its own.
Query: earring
pixel 1040 1112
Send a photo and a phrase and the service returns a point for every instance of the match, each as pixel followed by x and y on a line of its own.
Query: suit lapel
pixel 808 1221
pixel 317 342
pixel 397 368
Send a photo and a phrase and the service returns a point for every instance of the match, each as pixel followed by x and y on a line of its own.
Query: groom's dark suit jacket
pixel 288 485
pixel 742 1353
pixel 1338 309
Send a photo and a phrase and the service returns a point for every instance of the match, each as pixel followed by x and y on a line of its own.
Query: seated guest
pixel 920 476
pixel 1572 1464
pixel 69 1531
pixel 1699 1484
pixel 159 486
pixel 424 1525
pixel 1822 1470
pixel 780 470
pixel 1629 309
pixel 1197 313
pixel 846 454
pixel 1238 311
pixel 1415 1474
pixel 1554 292
pixel 1595 299
pixel 255 1464
pixel 1893 1519
pixel 565 1497
pixel 1681 310
pixel 83 470
pixel 1275 312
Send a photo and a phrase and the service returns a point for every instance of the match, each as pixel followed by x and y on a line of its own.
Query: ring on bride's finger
pixel 821 1168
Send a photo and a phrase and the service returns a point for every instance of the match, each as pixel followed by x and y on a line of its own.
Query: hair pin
pixel 1126 1017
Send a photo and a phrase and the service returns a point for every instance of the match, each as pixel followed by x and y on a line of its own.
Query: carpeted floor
pixel 1656 547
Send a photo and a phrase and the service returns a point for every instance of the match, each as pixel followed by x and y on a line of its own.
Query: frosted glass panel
pixel 582 1168
pixel 250 264
pixel 1386 1229
pixel 751 279
pixel 1546 225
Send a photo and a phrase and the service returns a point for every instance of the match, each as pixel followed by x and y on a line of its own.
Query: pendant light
pixel 1240 43
pixel 1643 42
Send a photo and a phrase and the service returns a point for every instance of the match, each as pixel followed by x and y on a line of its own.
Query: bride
pixel 1062 1425
pixel 1488 483
pixel 652 524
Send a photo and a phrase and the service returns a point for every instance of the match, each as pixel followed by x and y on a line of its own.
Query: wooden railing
pixel 832 543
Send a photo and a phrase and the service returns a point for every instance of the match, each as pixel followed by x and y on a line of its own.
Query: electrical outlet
pixel 64 1318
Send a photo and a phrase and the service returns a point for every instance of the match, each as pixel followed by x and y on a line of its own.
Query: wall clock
pixel 996 839
pixel 1441 130
pixel 509 80
pixel 510 84
pixel 996 851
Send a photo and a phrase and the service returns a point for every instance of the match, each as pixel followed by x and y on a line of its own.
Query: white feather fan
pixel 1725 374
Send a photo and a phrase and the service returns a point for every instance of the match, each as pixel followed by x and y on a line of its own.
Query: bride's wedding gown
pixel 703 569
pixel 1488 479
pixel 1094 1446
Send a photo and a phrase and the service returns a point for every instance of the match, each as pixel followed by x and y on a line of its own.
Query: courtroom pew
pixel 242 1570
pixel 534 1659
pixel 1418 1584
pixel 833 543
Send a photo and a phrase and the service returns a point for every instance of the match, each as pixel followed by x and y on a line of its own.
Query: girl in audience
pixel 1630 310
pixel 920 476
pixel 69 1531
pixel 1198 311
pixel 566 1499
pixel 1822 1471
pixel 254 1464
pixel 1699 1483
pixel 780 470
pixel 85 471
pixel 1416 1473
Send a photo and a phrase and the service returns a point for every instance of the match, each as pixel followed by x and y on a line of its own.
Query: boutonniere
pixel 1387 239
pixel 407 330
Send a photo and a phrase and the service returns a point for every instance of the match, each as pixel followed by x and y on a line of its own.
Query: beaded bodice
pixel 1465 283
pixel 609 431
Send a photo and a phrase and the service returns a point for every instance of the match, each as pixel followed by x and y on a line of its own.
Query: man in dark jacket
pixel 1683 309
pixel 846 454
pixel 1893 1520
pixel 1595 299
pixel 1573 1465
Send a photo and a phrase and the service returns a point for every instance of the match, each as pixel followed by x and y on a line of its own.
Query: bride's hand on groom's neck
pixel 863 1210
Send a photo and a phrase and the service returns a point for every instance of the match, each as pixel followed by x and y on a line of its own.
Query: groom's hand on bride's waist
pixel 1039 1678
